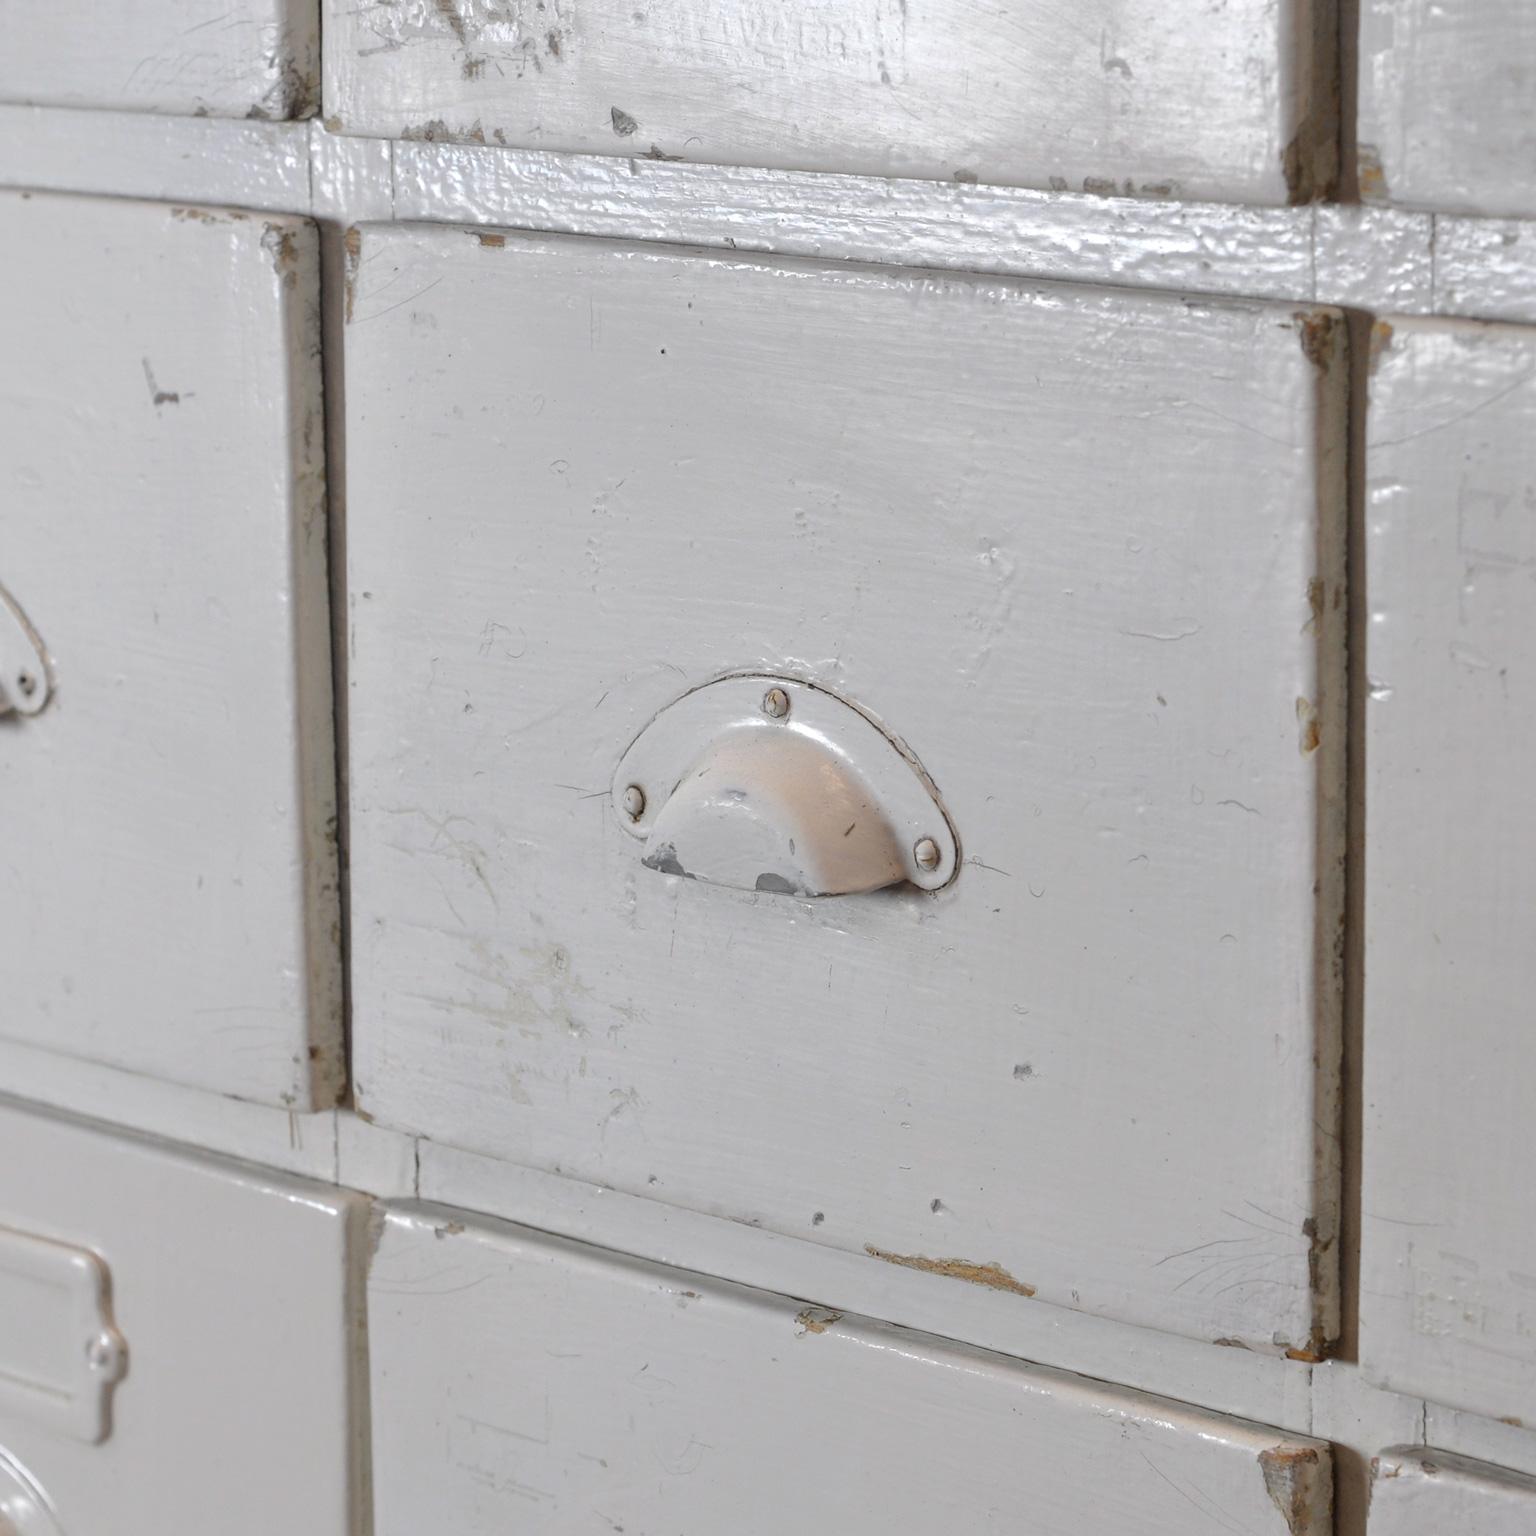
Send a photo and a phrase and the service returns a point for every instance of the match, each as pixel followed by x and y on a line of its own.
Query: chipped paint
pixel 993 1276
pixel 1315 596
pixel 1381 342
pixel 281 243
pixel 1318 336
pixel 1310 736
pixel 1299 1482
pixel 1373 179
pixel 816 1319
pixel 353 243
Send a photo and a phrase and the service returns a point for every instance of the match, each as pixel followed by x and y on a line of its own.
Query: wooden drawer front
pixel 548 1377
pixel 1449 1245
pixel 218 58
pixel 220 1343
pixel 1415 1492
pixel 1448 104
pixel 1078 549
pixel 1109 96
pixel 168 900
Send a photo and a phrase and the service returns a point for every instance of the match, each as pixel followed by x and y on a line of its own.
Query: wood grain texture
pixel 230 1286
pixel 523 1382
pixel 169 871
pixel 1448 104
pixel 1112 96
pixel 1418 1492
pixel 1079 549
pixel 1449 1243
pixel 220 58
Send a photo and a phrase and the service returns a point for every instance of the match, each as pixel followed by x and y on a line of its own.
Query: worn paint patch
pixel 1310 736
pixel 281 243
pixel 1316 589
pixel 664 859
pixel 1297 1479
pixel 816 1319
pixel 1373 180
pixel 1381 342
pixel 206 216
pixel 353 242
pixel 993 1276
pixel 1317 336
pixel 378 1220
pixel 495 242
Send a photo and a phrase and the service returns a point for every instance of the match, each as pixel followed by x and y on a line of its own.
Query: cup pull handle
pixel 767 783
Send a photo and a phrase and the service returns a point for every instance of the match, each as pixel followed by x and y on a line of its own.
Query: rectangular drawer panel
pixel 218 58
pixel 1112 96
pixel 168 897
pixel 1448 104
pixel 1448 1307
pixel 196 1373
pixel 1078 549
pixel 1415 1492
pixel 524 1382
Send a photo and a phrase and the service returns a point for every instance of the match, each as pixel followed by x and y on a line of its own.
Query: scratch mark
pixel 157 395
pixel 1184 629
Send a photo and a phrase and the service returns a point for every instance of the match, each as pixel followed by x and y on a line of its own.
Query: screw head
pixel 926 853
pixel 633 801
pixel 776 703
pixel 101 1352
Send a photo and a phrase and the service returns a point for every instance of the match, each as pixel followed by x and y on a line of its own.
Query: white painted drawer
pixel 168 899
pixel 1415 1492
pixel 1079 549
pixel 521 1381
pixel 1448 104
pixel 1448 1307
pixel 1113 96
pixel 219 58
pixel 223 1317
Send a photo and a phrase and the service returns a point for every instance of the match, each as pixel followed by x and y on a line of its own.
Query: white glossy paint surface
pixel 167 874
pixel 1448 104
pixel 231 1287
pixel 1107 96
pixel 587 476
pixel 1428 1493
pixel 1385 259
pixel 1448 1284
pixel 225 58
pixel 523 1382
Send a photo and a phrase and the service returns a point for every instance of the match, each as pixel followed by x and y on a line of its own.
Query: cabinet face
pixel 1418 1492
pixel 1078 549
pixel 218 58
pixel 169 893
pixel 1112 96
pixel 1448 104
pixel 562 1388
pixel 226 1290
pixel 1448 1305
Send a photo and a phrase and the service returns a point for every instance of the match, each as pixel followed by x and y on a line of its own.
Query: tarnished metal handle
pixel 772 784
pixel 24 683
